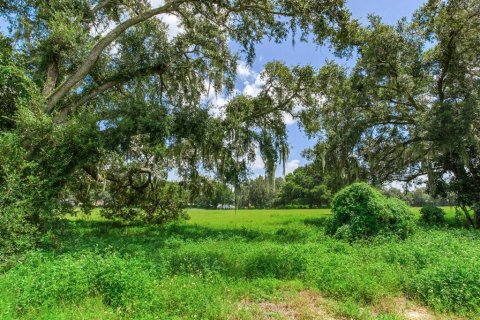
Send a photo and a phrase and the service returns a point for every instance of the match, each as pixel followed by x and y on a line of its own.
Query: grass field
pixel 250 264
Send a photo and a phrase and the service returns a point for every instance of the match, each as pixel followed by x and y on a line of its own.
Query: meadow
pixel 246 264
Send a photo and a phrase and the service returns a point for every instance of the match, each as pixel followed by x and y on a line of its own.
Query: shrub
pixel 159 203
pixel 449 286
pixel 432 215
pixel 17 200
pixel 401 221
pixel 16 233
pixel 34 170
pixel 361 212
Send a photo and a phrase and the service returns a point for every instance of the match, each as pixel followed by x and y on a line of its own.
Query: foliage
pixel 17 232
pixel 448 286
pixel 213 194
pixel 259 192
pixel 419 197
pixel 304 187
pixel 32 181
pixel 158 203
pixel 29 180
pixel 102 101
pixel 362 212
pixel 432 215
pixel 408 109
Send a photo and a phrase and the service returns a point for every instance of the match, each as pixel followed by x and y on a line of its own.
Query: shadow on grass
pixel 316 222
pixel 133 238
pixel 147 239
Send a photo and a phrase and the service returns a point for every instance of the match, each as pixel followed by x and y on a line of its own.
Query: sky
pixel 299 54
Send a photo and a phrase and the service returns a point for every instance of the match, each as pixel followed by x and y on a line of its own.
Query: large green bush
pixel 361 212
pixel 432 215
pixel 17 232
pixel 35 166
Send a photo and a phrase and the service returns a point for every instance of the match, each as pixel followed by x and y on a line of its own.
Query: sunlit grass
pixel 260 219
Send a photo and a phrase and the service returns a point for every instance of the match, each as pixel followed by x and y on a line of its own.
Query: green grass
pixel 253 219
pixel 249 264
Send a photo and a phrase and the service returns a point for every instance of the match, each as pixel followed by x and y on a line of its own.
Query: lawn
pixel 249 264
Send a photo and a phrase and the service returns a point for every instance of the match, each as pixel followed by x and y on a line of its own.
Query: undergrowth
pixel 187 270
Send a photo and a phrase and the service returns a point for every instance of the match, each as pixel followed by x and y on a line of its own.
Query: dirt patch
pixel 409 310
pixel 418 314
pixel 309 305
pixel 305 305
pixel 402 307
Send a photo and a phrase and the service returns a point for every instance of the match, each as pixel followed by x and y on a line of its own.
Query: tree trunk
pixel 468 216
pixel 477 218
pixel 51 80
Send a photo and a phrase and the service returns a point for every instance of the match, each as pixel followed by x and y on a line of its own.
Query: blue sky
pixel 304 53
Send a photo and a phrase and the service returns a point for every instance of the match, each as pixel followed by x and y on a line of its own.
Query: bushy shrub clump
pixel 449 286
pixel 17 204
pixel 16 233
pixel 362 212
pixel 432 215
pixel 34 171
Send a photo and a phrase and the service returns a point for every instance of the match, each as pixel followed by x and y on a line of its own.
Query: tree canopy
pixel 409 108
pixel 100 100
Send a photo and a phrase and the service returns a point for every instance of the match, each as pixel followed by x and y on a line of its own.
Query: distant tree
pixel 418 197
pixel 259 192
pixel 304 187
pixel 395 193
pixel 214 194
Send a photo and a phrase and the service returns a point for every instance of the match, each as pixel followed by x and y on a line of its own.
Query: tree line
pixel 299 189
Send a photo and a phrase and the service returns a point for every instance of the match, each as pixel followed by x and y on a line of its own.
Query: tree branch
pixel 100 6
pixel 52 77
pixel 91 60
pixel 107 85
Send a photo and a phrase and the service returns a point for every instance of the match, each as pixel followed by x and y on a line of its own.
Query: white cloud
pixel 258 164
pixel 217 101
pixel 157 3
pixel 174 27
pixel 254 88
pixel 288 119
pixel 244 71
pixel 173 22
pixel 292 166
pixel 217 106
